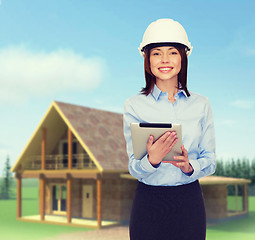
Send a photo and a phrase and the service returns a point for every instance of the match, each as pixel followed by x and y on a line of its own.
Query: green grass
pixel 243 229
pixel 12 229
pixel 232 203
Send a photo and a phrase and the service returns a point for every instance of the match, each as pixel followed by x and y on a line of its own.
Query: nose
pixel 165 58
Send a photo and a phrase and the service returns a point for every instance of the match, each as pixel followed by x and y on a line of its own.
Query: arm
pixel 205 163
pixel 142 168
pixel 138 168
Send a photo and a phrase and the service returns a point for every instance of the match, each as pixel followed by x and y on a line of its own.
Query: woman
pixel 168 202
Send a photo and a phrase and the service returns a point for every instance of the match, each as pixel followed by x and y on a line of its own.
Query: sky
pixel 85 53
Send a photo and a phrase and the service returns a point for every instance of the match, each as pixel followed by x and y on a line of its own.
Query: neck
pixel 169 86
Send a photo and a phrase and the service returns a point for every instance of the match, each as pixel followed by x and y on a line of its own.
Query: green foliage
pixel 220 171
pixel 252 172
pixel 236 168
pixel 6 183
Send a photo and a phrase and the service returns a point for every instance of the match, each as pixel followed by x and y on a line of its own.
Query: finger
pixel 164 136
pixel 180 158
pixel 174 141
pixel 181 164
pixel 184 151
pixel 175 163
pixel 171 140
pixel 172 162
pixel 168 146
pixel 150 141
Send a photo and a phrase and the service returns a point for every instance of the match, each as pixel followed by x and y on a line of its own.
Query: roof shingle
pixel 101 131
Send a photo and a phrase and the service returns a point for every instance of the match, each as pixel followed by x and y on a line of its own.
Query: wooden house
pixel 225 198
pixel 79 156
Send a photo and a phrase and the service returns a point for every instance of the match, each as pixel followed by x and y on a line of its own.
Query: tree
pixel 245 168
pixel 252 171
pixel 220 168
pixel 227 169
pixel 6 181
pixel 233 169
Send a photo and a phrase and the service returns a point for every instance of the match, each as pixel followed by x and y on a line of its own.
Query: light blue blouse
pixel 194 114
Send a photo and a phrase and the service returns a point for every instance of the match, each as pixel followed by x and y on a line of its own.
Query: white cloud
pixel 24 73
pixel 243 104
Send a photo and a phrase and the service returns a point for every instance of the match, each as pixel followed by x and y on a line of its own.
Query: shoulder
pixel 195 97
pixel 200 103
pixel 135 99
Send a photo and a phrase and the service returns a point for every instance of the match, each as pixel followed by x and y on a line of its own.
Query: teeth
pixel 165 69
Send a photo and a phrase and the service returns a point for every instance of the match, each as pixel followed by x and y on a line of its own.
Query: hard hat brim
pixel 163 44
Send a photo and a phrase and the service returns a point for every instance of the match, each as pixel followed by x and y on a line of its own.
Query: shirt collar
pixel 156 92
pixel 182 92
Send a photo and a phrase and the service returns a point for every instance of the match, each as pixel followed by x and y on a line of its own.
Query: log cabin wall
pixel 215 197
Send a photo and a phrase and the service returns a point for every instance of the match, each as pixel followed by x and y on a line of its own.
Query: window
pixel 63 149
pixel 235 199
pixel 59 195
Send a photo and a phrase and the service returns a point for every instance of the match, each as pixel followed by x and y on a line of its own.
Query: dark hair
pixel 150 79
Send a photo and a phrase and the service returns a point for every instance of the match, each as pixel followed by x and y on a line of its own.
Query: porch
pixel 65 200
pixel 62 220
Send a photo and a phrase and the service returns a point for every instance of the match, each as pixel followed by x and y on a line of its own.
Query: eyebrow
pixel 160 49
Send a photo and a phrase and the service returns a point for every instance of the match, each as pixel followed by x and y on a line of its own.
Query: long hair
pixel 150 79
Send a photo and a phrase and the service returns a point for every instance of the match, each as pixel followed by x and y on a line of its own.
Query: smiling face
pixel 165 63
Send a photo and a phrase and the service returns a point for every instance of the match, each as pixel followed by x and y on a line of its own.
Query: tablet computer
pixel 140 133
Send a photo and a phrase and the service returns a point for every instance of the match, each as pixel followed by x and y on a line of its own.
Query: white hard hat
pixel 165 31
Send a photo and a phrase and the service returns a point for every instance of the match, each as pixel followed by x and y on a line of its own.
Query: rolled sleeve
pixel 196 167
pixel 146 165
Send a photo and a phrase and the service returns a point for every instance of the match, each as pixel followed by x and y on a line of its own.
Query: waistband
pixel 185 187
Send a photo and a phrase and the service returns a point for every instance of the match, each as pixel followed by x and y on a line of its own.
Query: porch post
pixel 99 202
pixel 42 197
pixel 245 197
pixel 69 199
pixel 19 183
pixel 70 148
pixel 43 150
pixel 236 196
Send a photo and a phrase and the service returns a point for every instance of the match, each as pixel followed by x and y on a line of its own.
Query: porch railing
pixel 60 161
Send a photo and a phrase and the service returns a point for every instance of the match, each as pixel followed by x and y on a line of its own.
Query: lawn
pixel 11 229
pixel 243 229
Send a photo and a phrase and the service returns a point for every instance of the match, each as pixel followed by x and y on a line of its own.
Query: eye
pixel 174 53
pixel 155 53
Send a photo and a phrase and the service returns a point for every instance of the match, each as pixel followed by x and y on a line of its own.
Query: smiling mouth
pixel 165 69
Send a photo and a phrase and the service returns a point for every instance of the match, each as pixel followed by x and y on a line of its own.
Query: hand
pixel 158 150
pixel 183 161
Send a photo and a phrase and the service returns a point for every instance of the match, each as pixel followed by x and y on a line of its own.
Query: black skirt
pixel 168 213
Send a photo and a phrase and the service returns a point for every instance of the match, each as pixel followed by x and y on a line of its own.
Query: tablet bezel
pixel 140 133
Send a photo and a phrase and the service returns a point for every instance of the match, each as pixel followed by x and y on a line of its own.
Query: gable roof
pixel 99 132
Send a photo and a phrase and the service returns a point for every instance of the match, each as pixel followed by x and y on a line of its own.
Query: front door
pixel 59 199
pixel 87 201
